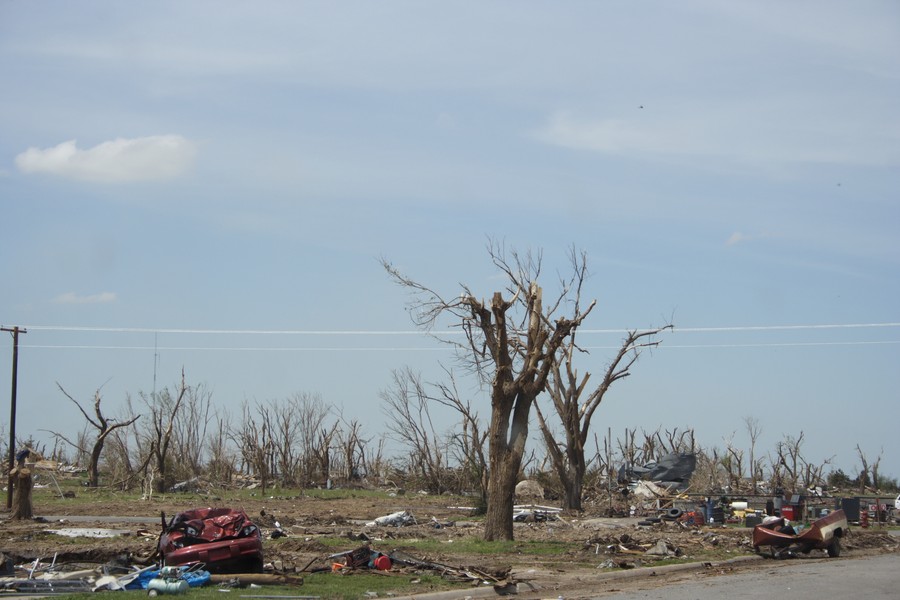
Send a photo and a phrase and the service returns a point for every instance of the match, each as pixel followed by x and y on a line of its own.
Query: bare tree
pixel 374 463
pixel 126 458
pixel 353 449
pixel 286 438
pixel 679 442
pixel 189 432
pixel 733 463
pixel 312 412
pixel 82 446
pixel 467 445
pixel 221 461
pixel 709 470
pixel 104 427
pixel 814 473
pixel 876 481
pixel 789 453
pixel 628 449
pixel 406 406
pixel 322 451
pixel 511 341
pixel 164 410
pixel 867 469
pixel 566 389
pixel 254 441
pixel 754 430
pixel 120 456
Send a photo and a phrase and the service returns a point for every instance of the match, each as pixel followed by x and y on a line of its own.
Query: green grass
pixel 465 545
pixel 49 498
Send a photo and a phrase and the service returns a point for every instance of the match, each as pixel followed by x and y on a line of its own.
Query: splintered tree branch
pixel 512 344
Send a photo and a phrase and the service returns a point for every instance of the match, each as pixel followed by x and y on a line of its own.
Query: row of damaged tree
pixel 178 435
pixel 520 347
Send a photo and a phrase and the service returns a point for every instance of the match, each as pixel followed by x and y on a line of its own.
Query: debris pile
pixel 398 519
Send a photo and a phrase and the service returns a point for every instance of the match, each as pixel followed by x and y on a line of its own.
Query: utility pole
pixel 12 411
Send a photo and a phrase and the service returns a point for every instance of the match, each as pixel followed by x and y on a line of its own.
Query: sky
pixel 212 186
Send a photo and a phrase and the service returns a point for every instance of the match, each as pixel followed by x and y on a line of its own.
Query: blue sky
pixel 175 175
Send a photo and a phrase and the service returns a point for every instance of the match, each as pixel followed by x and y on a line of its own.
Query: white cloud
pixel 739 237
pixel 736 238
pixel 149 158
pixel 773 130
pixel 73 298
pixel 614 136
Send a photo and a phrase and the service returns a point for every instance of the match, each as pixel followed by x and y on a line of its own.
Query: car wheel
pixel 674 513
pixel 834 548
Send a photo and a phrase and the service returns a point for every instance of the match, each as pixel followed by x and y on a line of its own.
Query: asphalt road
pixel 872 578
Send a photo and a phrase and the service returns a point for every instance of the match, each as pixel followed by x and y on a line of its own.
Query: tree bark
pixel 508 434
pixel 21 505
pixel 505 463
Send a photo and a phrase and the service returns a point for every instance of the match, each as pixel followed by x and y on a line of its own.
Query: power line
pixel 779 344
pixel 414 332
pixel 434 348
pixel 420 333
pixel 230 331
pixel 784 327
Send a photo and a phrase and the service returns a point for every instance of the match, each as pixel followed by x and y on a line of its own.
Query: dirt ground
pixel 591 544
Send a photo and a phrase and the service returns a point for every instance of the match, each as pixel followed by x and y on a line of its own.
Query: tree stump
pixel 23 484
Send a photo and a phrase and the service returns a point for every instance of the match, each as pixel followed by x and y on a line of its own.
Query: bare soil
pixel 589 544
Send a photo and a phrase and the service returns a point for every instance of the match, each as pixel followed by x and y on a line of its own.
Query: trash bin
pixel 793 509
pixel 850 506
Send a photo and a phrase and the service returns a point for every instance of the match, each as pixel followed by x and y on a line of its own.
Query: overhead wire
pixel 356 332
pixel 421 332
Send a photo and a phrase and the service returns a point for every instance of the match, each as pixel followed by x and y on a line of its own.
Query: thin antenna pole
pixel 155 363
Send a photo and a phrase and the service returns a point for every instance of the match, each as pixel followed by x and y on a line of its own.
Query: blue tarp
pixel 195 578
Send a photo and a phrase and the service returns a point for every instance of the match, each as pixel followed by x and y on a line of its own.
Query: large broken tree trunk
pixel 21 504
pixel 573 482
pixel 507 446
pixel 513 354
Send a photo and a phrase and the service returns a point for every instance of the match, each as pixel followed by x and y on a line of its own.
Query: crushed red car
pixel 225 540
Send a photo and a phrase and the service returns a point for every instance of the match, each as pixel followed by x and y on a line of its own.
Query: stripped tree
pixel 467 445
pixel 566 390
pixel 868 467
pixel 406 404
pixel 104 427
pixel 754 430
pixel 164 410
pixel 511 342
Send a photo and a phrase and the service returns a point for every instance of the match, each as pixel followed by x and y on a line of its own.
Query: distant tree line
pixel 303 442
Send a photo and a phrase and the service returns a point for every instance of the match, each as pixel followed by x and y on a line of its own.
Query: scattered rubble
pixel 299 534
pixel 398 519
pixel 534 513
